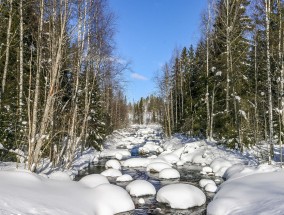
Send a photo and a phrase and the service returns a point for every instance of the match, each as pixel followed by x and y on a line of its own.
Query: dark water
pixel 190 174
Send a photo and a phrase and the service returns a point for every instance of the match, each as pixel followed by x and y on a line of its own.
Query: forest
pixel 62 87
pixel 230 86
pixel 207 140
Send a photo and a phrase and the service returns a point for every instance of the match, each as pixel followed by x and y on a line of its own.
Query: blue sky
pixel 147 33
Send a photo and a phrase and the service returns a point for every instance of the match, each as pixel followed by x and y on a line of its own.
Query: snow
pixel 141 201
pixel 139 188
pixel 23 192
pixel 210 188
pixel 124 178
pixel 58 175
pixel 157 167
pixel 114 164
pixel 220 165
pixel 259 193
pixel 169 173
pixel 115 153
pixel 207 169
pixel 136 162
pixel 1 146
pixel 181 196
pixel 204 182
pixel 111 173
pixel 94 180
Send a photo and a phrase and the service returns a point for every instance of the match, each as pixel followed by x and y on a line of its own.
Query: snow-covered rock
pixel 115 152
pixel 210 187
pixel 125 177
pixel 157 167
pixel 136 162
pixel 110 199
pixel 259 193
pixel 58 175
pixel 204 182
pixel 169 173
pixel 141 201
pixel 111 173
pixel 207 169
pixel 94 180
pixel 170 158
pixel 140 188
pixel 114 164
pixel 181 196
pixel 220 165
pixel 37 195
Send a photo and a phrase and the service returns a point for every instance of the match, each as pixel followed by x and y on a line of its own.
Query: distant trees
pixel 230 87
pixel 60 81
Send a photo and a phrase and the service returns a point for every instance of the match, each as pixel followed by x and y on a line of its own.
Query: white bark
pixel 8 41
pixel 270 117
pixel 21 62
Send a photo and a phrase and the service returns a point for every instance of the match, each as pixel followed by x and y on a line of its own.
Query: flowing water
pixel 190 174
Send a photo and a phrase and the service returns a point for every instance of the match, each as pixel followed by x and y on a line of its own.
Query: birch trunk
pixel 21 63
pixel 8 41
pixel 270 117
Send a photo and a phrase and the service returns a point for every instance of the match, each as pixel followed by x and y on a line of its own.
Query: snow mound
pixel 150 147
pixel 94 180
pixel 210 188
pixel 169 173
pixel 157 167
pixel 181 196
pixel 170 158
pixel 136 162
pixel 140 188
pixel 111 173
pixel 110 199
pixel 114 164
pixel 58 175
pixel 125 177
pixel 37 195
pixel 115 153
pixel 204 182
pixel 260 193
pixel 220 165
pixel 207 169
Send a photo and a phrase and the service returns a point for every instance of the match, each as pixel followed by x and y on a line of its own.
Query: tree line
pixel 230 86
pixel 61 87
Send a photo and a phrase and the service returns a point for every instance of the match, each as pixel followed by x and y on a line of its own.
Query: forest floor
pixel 239 183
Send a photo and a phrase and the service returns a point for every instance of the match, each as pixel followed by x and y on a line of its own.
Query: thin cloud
pixel 138 76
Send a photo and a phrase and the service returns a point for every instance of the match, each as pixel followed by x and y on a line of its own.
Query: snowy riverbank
pixel 249 188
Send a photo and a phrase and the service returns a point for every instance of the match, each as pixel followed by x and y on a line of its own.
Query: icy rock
pixel 114 164
pixel 94 180
pixel 181 196
pixel 125 177
pixel 111 173
pixel 140 188
pixel 157 167
pixel 58 175
pixel 169 173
